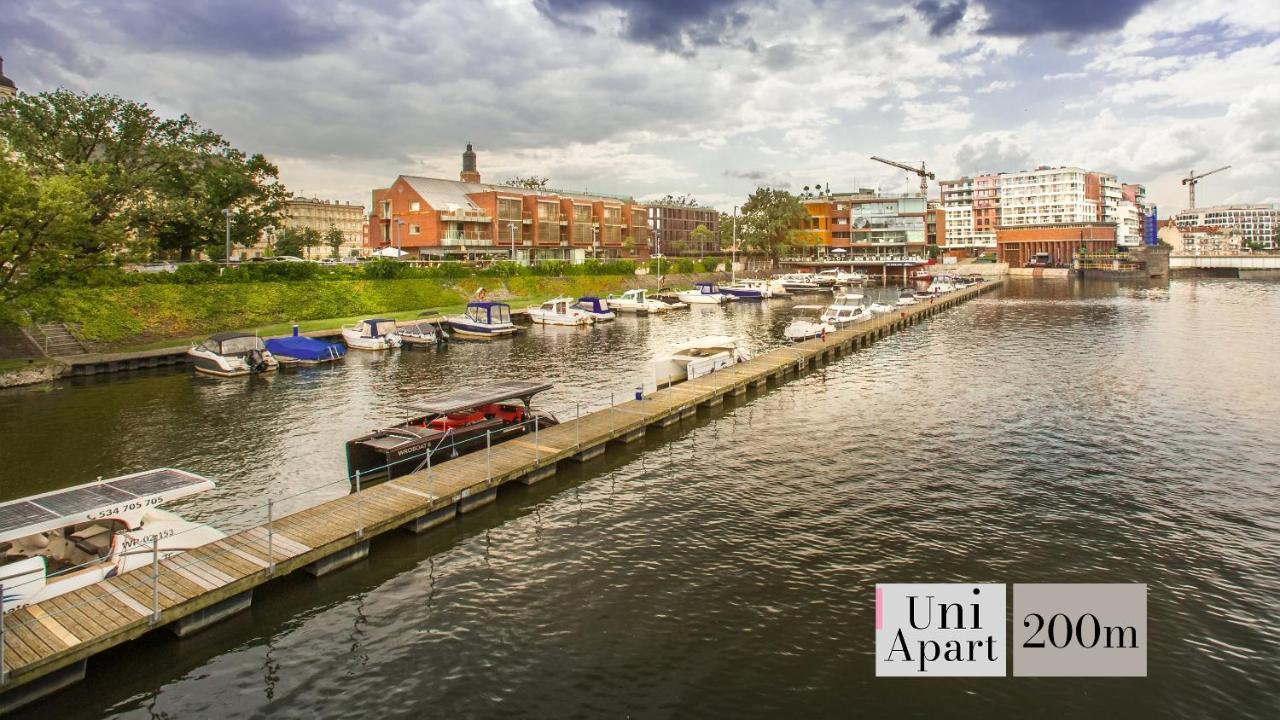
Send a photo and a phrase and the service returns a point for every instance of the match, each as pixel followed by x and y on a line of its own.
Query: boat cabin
pixel 376 327
pixel 488 313
pixel 233 344
pixel 596 305
pixel 706 287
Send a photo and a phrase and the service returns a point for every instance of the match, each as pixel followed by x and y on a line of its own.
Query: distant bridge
pixel 1224 262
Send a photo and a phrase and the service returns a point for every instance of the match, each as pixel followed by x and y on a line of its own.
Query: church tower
pixel 469 172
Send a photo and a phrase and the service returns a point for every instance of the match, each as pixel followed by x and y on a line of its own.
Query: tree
pixel 333 238
pixel 164 181
pixel 701 236
pixel 289 242
pixel 533 182
pixel 683 200
pixel 771 221
pixel 310 238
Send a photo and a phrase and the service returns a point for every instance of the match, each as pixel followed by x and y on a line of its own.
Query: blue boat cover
pixel 305 348
pixel 592 303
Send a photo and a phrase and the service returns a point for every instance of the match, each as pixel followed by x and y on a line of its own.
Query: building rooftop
pixel 442 194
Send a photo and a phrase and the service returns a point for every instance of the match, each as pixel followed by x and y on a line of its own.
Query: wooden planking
pixel 99 613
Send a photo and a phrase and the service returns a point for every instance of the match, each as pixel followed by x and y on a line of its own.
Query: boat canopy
pixel 305 348
pixel 489 312
pixel 593 304
pixel 475 397
pixel 97 500
pixel 232 343
pixel 377 327
pixel 707 287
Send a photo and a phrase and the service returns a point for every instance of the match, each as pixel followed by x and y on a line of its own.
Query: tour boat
pixel 749 289
pixel 696 357
pixel 446 426
pixel 372 334
pixel 703 293
pixel 59 541
pixel 484 319
pixel 807 329
pixel 638 301
pixel 846 310
pixel 559 311
pixel 298 349
pixel 799 282
pixel 426 330
pixel 232 354
pixel 596 307
pixel 907 296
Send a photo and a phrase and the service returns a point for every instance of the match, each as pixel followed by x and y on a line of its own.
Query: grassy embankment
pixel 121 319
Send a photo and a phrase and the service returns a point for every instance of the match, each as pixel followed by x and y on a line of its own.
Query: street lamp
pixel 226 212
pixel 513 242
pixel 399 223
pixel 595 241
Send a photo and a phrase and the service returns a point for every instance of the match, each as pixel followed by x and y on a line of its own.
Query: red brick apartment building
pixel 433 218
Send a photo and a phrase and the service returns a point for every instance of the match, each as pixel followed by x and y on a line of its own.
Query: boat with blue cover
pixel 595 307
pixel 484 319
pixel 298 349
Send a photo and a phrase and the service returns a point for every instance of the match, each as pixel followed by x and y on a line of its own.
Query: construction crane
pixel 1192 178
pixel 925 175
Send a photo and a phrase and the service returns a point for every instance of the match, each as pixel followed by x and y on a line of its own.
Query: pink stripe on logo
pixel 879 608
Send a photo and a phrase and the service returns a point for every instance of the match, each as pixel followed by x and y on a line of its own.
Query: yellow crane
pixel 1192 178
pixel 925 175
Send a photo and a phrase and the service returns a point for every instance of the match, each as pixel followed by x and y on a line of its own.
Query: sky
pixel 709 98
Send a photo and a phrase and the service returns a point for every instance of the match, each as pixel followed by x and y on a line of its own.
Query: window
pixel 386 209
pixel 415 206
pixel 414 229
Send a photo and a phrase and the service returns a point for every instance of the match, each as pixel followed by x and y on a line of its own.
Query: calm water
pixel 1051 432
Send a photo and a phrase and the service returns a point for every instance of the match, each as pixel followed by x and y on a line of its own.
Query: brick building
pixel 672 226
pixel 434 218
pixel 1018 245
pixel 866 224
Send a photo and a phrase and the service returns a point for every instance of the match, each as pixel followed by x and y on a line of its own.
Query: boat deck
pixel 44 646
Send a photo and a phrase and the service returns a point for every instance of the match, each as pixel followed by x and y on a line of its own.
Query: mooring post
pixel 488 465
pixel 537 451
pixel 271 536
pixel 577 424
pixel 155 579
pixel 4 675
pixel 360 505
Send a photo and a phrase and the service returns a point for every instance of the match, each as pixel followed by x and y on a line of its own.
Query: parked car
pixel 288 258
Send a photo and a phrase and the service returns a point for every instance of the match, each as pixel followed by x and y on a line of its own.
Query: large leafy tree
pixel 333 239
pixel 770 222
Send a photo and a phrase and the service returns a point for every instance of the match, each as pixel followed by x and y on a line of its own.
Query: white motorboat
pixel 484 319
pixel 907 296
pixel 941 284
pixel 703 293
pixel 559 311
pixel 232 354
pixel 799 282
pixel 427 330
pixel 807 329
pixel 846 310
pixel 59 541
pixel 879 308
pixel 638 301
pixel 372 334
pixel 596 307
pixel 696 357
pixel 840 277
pixel 749 289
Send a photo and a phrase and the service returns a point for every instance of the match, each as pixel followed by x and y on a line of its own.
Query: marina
pixel 46 645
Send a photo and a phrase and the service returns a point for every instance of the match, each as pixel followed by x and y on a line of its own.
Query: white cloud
pixel 996 86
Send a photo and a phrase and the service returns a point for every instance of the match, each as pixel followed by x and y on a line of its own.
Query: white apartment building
pixel 1048 196
pixel 1252 223
pixel 957 208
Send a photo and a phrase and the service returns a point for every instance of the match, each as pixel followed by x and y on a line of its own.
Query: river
pixel 1047 432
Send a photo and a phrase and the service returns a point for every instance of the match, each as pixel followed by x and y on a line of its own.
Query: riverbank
pixel 122 323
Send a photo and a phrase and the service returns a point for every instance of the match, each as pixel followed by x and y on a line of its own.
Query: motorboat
pixel 846 310
pixel 425 331
pixel 60 541
pixel 907 296
pixel 941 284
pixel 840 277
pixel 638 301
pixel 232 354
pixel 446 426
pixel 484 319
pixel 596 307
pixel 696 357
pixel 703 293
pixel 799 282
pixel 298 349
pixel 749 289
pixel 372 334
pixel 879 308
pixel 559 311
pixel 802 329
pixel 921 276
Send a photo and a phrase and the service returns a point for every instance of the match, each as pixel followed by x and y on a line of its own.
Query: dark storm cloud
pixel 261 28
pixel 673 25
pixel 1021 18
pixel 942 16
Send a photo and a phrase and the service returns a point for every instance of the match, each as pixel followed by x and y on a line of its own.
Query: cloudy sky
pixel 707 97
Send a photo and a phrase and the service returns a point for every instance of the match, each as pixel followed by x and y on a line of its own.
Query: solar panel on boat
pixel 70 502
pixel 154 481
pixel 21 514
pixel 464 399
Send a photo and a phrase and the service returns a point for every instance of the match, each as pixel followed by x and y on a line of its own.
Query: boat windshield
pixel 500 314
pixel 241 345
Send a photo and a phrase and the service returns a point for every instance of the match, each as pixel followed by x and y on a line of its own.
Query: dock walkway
pixel 45 646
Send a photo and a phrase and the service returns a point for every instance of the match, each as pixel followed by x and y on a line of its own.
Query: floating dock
pixel 45 647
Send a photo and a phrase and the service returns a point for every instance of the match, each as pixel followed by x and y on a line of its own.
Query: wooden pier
pixel 45 646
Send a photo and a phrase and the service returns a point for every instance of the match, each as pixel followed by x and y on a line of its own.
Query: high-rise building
pixel 1256 225
pixel 7 87
pixel 672 227
pixel 465 219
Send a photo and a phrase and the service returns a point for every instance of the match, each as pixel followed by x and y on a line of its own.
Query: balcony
pixel 466 215
pixel 467 237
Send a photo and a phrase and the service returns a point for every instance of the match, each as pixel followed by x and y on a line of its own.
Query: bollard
pixel 537 450
pixel 488 465
pixel 271 536
pixel 4 675
pixel 155 579
pixel 360 506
